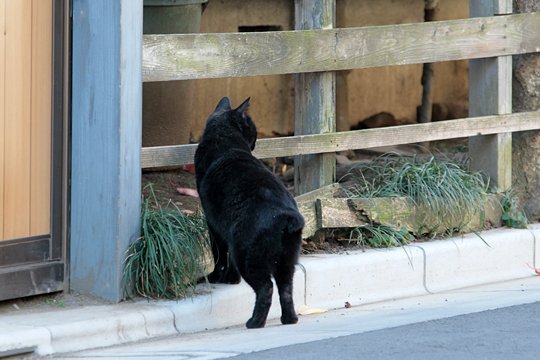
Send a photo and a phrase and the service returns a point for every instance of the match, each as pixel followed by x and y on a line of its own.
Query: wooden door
pixel 31 128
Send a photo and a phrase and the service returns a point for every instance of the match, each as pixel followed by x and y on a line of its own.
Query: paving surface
pixel 507 333
pixel 451 325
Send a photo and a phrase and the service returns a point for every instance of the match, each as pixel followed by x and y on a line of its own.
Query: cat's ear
pixel 223 105
pixel 243 107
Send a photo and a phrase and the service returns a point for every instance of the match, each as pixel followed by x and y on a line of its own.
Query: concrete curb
pixel 357 278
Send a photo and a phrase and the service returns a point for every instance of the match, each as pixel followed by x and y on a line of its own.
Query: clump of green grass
pixel 380 236
pixel 439 188
pixel 170 256
pixel 512 215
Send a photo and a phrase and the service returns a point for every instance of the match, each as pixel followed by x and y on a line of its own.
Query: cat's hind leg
pixel 284 275
pixel 259 278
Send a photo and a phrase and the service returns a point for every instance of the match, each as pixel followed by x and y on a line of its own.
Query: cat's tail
pixel 293 222
pixel 291 236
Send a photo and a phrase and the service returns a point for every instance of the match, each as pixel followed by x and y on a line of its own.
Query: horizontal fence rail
pixel 163 156
pixel 198 56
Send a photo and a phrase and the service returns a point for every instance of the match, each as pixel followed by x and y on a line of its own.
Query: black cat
pixel 254 224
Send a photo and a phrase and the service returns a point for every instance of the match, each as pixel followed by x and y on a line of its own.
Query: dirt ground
pixel 49 302
pixel 165 184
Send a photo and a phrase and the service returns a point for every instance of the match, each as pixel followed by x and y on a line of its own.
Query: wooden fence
pixel 316 50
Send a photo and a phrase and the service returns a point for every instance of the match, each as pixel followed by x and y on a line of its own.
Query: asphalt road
pixel 507 333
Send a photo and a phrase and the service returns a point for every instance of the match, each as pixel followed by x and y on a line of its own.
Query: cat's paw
pixel 289 320
pixel 255 323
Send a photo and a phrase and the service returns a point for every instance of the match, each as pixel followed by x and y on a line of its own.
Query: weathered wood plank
pixel 490 92
pixel 162 156
pixel 399 213
pixel 309 212
pixel 331 190
pixel 338 213
pixel 307 207
pixel 315 101
pixel 197 56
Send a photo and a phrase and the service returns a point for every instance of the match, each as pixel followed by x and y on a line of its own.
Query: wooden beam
pixel 490 92
pixel 106 142
pixel 307 207
pixel 315 101
pixel 400 213
pixel 332 190
pixel 162 156
pixel 338 213
pixel 198 56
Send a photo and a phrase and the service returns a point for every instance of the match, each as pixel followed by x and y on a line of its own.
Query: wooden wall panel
pixel 40 181
pixel 26 118
pixel 17 119
pixel 2 109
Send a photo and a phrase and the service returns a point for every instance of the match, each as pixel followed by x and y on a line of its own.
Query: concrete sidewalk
pixel 396 329
pixel 321 281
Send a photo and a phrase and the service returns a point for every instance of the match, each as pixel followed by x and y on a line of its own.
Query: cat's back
pixel 241 182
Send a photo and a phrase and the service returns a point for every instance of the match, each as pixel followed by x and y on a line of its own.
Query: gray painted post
pixel 490 93
pixel 106 142
pixel 315 101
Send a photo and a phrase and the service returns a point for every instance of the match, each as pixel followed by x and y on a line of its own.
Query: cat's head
pixel 238 118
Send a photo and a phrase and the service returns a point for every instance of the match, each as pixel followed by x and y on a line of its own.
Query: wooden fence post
pixel 315 101
pixel 106 142
pixel 490 93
